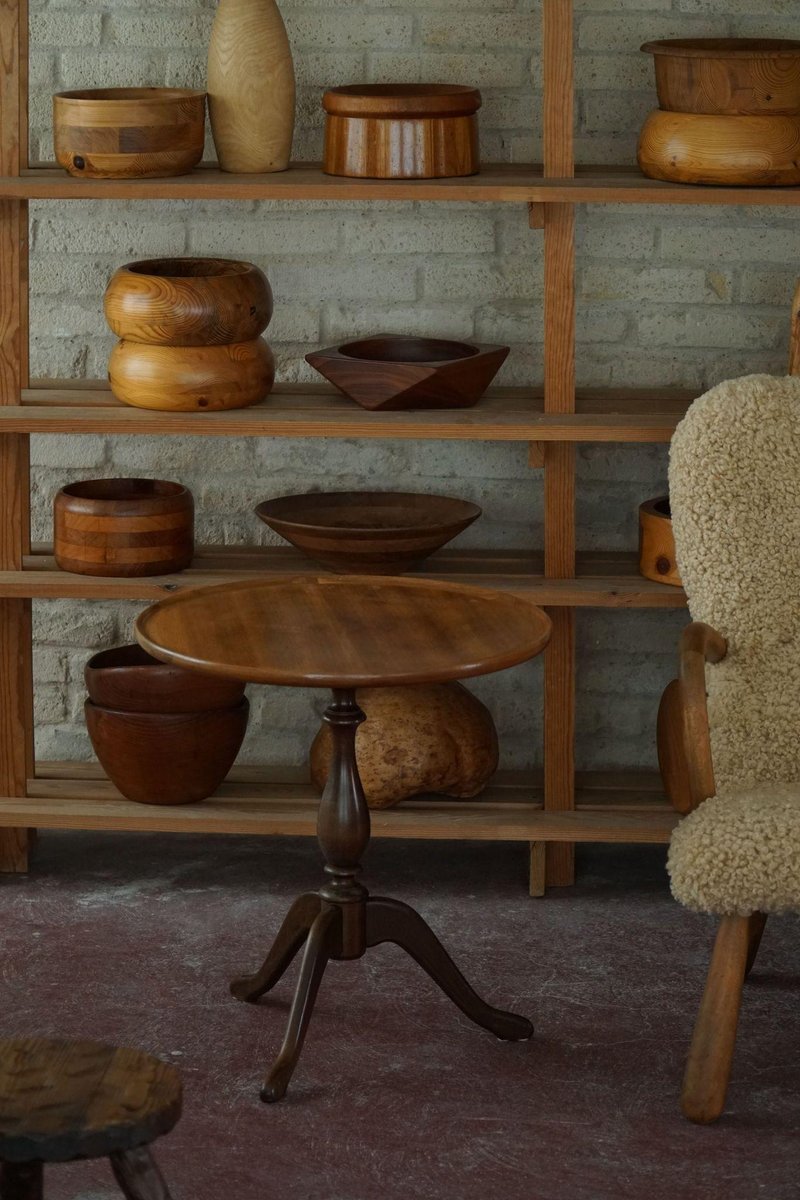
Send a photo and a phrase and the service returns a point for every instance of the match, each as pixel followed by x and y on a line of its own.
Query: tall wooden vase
pixel 251 86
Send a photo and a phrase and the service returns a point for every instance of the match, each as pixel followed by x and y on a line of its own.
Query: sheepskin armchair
pixel 729 726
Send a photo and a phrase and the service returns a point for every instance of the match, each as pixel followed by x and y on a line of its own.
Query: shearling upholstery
pixel 735 495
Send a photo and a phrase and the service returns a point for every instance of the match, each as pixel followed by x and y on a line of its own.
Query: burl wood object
pixel 123 527
pixel 727 150
pixel 251 87
pixel 368 533
pixel 401 130
pixel 657 543
pixel 728 76
pixel 129 133
pixel 346 633
pixel 434 738
pixel 390 373
pixel 189 330
pixel 61 1101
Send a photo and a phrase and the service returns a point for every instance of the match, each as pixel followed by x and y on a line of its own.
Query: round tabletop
pixel 344 631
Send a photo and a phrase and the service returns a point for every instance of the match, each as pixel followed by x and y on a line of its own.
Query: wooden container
pixel 368 533
pixel 124 527
pixel 734 151
pixel 401 130
pixel 191 378
pixel 656 543
pixel 188 302
pixel 392 373
pixel 131 680
pixel 728 76
pixel 166 758
pixel 128 133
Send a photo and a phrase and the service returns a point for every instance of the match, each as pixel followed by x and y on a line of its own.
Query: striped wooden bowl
pixel 124 527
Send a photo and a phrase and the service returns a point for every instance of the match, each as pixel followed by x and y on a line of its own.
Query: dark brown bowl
pixel 130 679
pixel 368 533
pixel 390 372
pixel 166 758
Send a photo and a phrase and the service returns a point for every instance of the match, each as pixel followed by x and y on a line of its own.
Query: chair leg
pixel 755 927
pixel 708 1068
pixel 138 1175
pixel 21 1181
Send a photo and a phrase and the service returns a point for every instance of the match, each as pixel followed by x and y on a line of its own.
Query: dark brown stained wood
pixel 62 1100
pixel 694 148
pixel 401 131
pixel 368 533
pixel 390 373
pixel 734 76
pixel 334 631
pixel 129 679
pixel 122 133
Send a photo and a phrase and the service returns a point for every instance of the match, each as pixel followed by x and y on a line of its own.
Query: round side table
pixel 345 632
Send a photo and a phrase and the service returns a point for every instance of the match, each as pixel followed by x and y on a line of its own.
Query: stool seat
pixel 61 1100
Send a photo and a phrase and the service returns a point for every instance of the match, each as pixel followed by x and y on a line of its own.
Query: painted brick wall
pixel 666 296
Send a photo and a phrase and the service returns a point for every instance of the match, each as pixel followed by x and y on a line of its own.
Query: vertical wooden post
pixel 16 686
pixel 559 472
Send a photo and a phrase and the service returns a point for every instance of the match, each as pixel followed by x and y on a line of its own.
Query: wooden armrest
pixel 684 740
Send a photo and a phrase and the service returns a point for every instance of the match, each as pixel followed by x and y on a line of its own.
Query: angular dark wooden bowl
pixel 389 372
pixel 131 680
pixel 368 533
pixel 166 758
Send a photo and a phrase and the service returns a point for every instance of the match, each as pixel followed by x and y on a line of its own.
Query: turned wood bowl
pixel 754 151
pixel 125 527
pixel 656 542
pixel 191 378
pixel 728 76
pixel 166 758
pixel 401 130
pixel 391 373
pixel 129 133
pixel 131 680
pixel 188 302
pixel 368 533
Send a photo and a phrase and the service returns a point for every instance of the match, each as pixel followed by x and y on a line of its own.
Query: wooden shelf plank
pixel 258 801
pixel 627 185
pixel 504 414
pixel 604 580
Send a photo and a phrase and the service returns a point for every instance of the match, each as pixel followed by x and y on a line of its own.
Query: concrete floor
pixel 132 939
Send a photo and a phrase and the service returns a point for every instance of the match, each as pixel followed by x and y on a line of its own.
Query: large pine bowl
pixel 368 533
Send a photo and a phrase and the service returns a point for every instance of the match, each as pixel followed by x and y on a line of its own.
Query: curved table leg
pixel 138 1175
pixel 393 921
pixel 21 1181
pixel 291 936
pixel 324 942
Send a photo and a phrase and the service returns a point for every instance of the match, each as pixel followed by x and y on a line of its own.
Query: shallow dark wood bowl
pixel 392 373
pixel 728 76
pixel 755 151
pixel 131 680
pixel 129 133
pixel 368 533
pixel 166 758
pixel 401 130
pixel 124 527
pixel 657 542
pixel 188 302
pixel 191 378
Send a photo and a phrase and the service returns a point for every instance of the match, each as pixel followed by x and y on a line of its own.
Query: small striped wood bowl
pixel 123 527
pixel 129 133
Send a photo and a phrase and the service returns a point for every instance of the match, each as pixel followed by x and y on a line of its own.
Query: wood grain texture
pixel 191 378
pixel 129 679
pixel 63 1100
pixel 344 631
pixel 657 543
pixel 251 87
pixel 129 133
pixel 794 336
pixel 733 76
pixel 138 1176
pixel 692 148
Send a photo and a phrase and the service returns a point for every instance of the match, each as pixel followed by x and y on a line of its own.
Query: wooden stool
pixel 65 1100
pixel 345 632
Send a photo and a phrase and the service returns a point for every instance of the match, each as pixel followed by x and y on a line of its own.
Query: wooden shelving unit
pixel 554 810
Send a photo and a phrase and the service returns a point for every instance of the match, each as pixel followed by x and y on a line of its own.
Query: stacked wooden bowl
pixel 729 112
pixel 190 334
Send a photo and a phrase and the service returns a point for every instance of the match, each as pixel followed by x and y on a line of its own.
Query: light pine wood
pixel 741 151
pixel 657 543
pixel 794 338
pixel 191 378
pixel 684 739
pixel 733 76
pixel 537 869
pixel 251 86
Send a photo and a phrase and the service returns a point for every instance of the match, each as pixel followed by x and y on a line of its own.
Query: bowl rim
pixel 723 48
pixel 472 350
pixel 127 95
pixel 235 268
pixel 160 490
pixel 167 718
pixel 469 512
pixel 399 101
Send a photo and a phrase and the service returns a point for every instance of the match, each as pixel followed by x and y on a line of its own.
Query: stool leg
pixel 21 1181
pixel 138 1175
